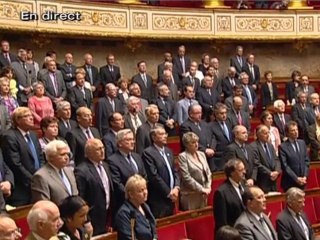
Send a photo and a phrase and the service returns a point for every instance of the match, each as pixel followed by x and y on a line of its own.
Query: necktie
pixel 190 102
pixel 192 81
pixel 136 123
pixel 296 146
pixel 232 82
pixel 239 118
pixel 88 134
pixel 252 71
pixel 225 130
pixel 1 177
pixel 244 151
pixel 90 74
pixel 112 105
pixel 7 56
pixel 163 154
pixel 33 151
pixel 283 121
pixel 68 125
pixel 198 126
pixel 248 93
pixel 55 84
pixel 65 181
pixel 105 183
pixel 183 65
pixel 145 80
pixel 241 189
pixel 302 225
pixel 24 66
pixel 268 153
pixel 209 91
pixel 266 228
pixel 240 61
pixel 132 164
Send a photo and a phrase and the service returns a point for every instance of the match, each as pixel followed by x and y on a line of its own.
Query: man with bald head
pixel 44 220
pixel 181 62
pixel 92 73
pixel 8 229
pixel 68 70
pixel 229 82
pixel 169 80
pixel 237 115
pixel 95 185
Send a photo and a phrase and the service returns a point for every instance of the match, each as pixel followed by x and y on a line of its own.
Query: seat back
pixel 173 231
pixel 200 228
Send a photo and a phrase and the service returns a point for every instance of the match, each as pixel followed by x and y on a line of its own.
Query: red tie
pixel 239 118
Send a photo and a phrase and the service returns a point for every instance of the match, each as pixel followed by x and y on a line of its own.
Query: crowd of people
pixel 106 173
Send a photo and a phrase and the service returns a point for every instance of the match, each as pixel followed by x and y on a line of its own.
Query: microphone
pixel 132 223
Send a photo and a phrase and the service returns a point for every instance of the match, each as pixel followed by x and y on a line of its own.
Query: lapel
pixel 265 156
pixel 56 178
pixel 95 174
pixel 222 131
pixel 241 153
pixel 296 226
pixel 126 165
pixel 81 135
pixel 257 225
pixel 23 141
pixel 235 194
pixel 195 164
pixel 128 121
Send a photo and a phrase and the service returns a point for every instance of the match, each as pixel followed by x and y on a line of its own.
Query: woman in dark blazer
pixel 134 219
pixel 269 90
pixel 291 87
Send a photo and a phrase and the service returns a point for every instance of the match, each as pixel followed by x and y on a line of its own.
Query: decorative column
pixel 299 4
pixel 214 4
pixel 129 2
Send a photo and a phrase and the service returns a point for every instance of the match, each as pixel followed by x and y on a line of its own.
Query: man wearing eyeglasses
pixel 54 181
pixel 8 229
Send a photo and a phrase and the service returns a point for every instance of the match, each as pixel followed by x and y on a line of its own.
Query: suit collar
pixel 53 172
pixel 256 224
pixel 295 223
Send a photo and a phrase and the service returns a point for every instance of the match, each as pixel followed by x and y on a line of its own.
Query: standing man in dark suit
pixel 181 63
pixel 22 153
pixel 163 177
pixel 207 96
pixel 200 128
pixel 248 92
pixel 25 76
pixel 237 115
pixel 116 123
pixel 313 109
pixel 305 86
pixel 269 167
pixel 253 72
pixel 95 186
pixel 66 124
pixel 294 159
pixel 171 82
pixel 54 84
pixel 133 119
pixel 237 92
pixel 239 149
pixel 280 118
pixel 79 95
pixel 299 115
pixel 68 71
pixel 253 223
pixel 292 222
pixel 78 137
pixel 167 58
pixel 229 82
pixel 227 199
pixel 6 58
pixel 124 164
pixel 182 106
pixel 110 73
pixel 191 79
pixel 145 81
pixel 134 90
pixel 221 132
pixel 238 61
pixel 92 74
pixel 106 106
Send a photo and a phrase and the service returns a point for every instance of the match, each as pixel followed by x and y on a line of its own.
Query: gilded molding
pixel 11 10
pixel 140 20
pixel 48 8
pixel 224 24
pixel 264 24
pixel 306 24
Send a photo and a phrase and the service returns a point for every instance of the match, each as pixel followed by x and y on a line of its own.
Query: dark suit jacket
pixel 278 124
pixel 293 165
pixel 159 180
pixel 187 82
pixel 207 101
pixel 109 141
pixel 314 142
pixel 299 115
pixel 234 151
pixel 147 92
pixel 128 122
pixel 95 75
pixel 121 170
pixel 4 62
pixel 253 95
pixel 66 70
pixel 144 227
pixel 77 140
pixel 143 139
pixel 227 88
pixel 310 114
pixel 227 205
pixel 104 111
pixel 107 76
pixel 235 63
pixel 290 91
pixel 266 96
pixel 18 157
pixel 166 111
pixel 266 166
pixel 77 99
pixel 288 228
pixel 63 129
pixel 256 78
pixel 91 189
pixel 177 64
pixel 234 119
pixel 61 91
pixel 250 228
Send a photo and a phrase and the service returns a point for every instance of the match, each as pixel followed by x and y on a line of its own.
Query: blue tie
pixel 33 151
pixel 225 130
pixel 163 154
pixel 248 93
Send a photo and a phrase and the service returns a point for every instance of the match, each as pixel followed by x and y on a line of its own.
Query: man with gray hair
pixel 124 163
pixel 280 118
pixel 229 82
pixel 66 124
pixel 8 229
pixel 292 222
pixel 133 119
pixel 44 220
pixel 54 181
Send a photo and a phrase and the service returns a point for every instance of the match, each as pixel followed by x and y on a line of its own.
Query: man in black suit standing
pixel 145 81
pixel 248 92
pixel 181 63
pixel 78 137
pixel 313 109
pixel 227 199
pixel 253 71
pixel 95 186
pixel 191 79
pixel 294 159
pixel 229 82
pixel 106 106
pixel 68 70
pixel 163 177
pixel 238 60
pixel 237 115
pixel 116 123
pixel 110 73
pixel 167 58
pixel 92 73
pixel 237 92
pixel 292 222
pixel 79 95
pixel 200 128
pixel 221 132
pixel 22 153
pixel 171 82
pixel 66 124
pixel 6 58
pixel 269 168
pixel 280 118
pixel 124 164
pixel 207 96
pixel 239 149
pixel 299 115
pixel 54 84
